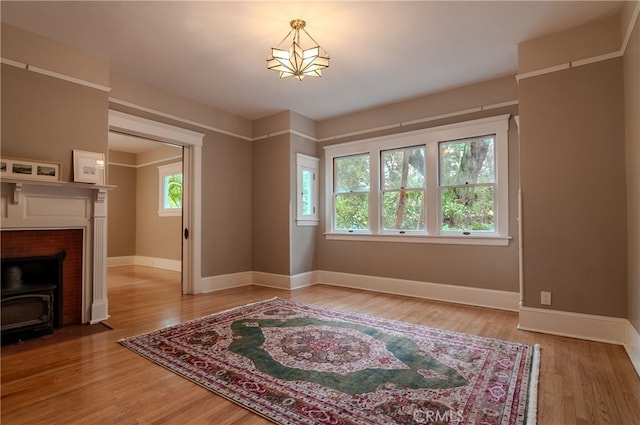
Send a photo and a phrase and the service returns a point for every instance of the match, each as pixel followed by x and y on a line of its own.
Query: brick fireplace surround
pixel 31 243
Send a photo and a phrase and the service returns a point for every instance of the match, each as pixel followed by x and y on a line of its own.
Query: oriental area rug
pixel 303 364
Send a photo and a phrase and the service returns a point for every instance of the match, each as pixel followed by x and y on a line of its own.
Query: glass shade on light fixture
pixel 297 61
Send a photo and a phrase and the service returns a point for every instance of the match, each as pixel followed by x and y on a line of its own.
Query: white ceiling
pixel 381 52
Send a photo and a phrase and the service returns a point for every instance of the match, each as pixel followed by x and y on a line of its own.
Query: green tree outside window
pixel 173 191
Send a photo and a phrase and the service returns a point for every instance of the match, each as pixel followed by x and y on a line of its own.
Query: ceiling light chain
pixel 296 61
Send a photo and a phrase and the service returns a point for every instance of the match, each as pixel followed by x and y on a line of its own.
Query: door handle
pixel 186 233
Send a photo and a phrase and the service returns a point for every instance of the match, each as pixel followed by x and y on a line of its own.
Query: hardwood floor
pixel 92 379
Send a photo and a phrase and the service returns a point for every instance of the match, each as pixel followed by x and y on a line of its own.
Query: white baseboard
pixel 159 263
pixel 226 281
pixel 271 280
pixel 633 346
pixel 303 279
pixel 612 330
pixel 591 327
pixel 139 260
pixel 503 300
pixel 281 281
pixel 121 261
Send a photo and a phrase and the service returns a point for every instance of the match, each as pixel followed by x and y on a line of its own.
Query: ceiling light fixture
pixel 296 61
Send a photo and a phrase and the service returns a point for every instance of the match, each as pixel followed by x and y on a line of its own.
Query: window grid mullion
pixel 432 203
pixel 375 195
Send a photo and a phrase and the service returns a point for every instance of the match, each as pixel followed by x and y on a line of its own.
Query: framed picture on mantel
pixel 88 167
pixel 17 168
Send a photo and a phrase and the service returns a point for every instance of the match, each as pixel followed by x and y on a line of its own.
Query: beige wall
pixel 35 50
pixel 446 102
pixel 162 152
pixel 270 185
pixel 272 124
pixel 573 185
pixel 44 118
pixel 156 236
pixel 127 90
pixel 122 208
pixel 586 41
pixel 123 158
pixel 226 205
pixel 631 69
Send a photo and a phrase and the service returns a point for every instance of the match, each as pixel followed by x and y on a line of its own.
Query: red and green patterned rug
pixel 304 364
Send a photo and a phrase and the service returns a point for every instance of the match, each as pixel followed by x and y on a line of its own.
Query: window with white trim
pixel 170 190
pixel 446 184
pixel 351 197
pixel 307 184
pixel 467 185
pixel 402 188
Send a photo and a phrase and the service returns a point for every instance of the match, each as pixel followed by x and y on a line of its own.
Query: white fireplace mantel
pixel 44 205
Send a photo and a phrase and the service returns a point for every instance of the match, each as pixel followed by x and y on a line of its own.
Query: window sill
pixel 447 240
pixel 169 213
pixel 307 222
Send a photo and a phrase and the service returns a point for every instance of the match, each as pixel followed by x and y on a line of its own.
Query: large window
pixel 443 185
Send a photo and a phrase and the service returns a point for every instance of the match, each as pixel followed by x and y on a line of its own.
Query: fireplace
pixel 40 244
pixel 31 212
pixel 32 289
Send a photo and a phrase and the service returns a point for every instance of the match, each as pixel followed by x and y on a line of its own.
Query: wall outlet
pixel 545 298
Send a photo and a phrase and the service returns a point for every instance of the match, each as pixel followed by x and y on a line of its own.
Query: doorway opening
pixel 191 143
pixel 145 205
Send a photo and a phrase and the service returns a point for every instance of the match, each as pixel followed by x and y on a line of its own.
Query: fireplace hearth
pixel 32 289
